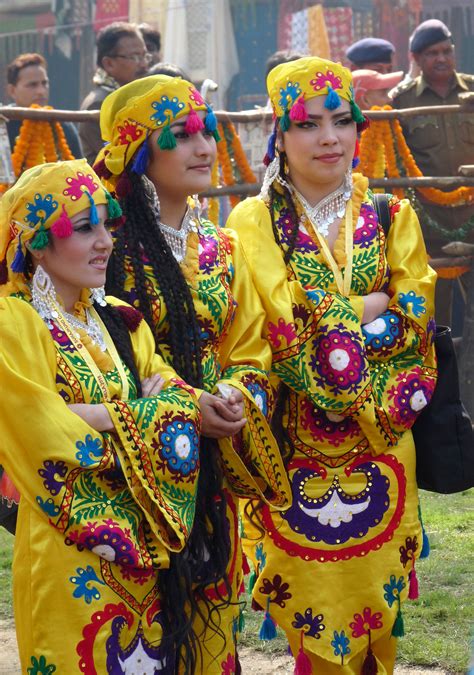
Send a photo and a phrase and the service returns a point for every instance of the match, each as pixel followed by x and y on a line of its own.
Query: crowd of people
pixel 200 397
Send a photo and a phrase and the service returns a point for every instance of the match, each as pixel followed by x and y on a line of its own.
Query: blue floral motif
pixel 289 94
pixel 340 644
pixel 48 506
pixel 312 624
pixel 41 210
pixel 89 451
pixel 180 447
pixel 316 295
pixel 166 105
pixel 261 556
pixel 86 577
pixel 384 333
pixel 260 396
pixel 40 667
pixel 50 472
pixel 393 589
pixel 416 302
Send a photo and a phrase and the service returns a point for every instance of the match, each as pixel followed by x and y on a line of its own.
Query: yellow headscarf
pixel 132 112
pixel 42 202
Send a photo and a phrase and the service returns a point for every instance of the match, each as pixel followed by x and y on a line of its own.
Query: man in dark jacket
pixel 28 83
pixel 121 58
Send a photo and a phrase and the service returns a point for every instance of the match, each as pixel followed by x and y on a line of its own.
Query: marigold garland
pixel 388 134
pixel 232 159
pixel 38 142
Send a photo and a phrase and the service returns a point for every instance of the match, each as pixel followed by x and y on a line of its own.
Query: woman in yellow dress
pixel 349 316
pixel 191 282
pixel 101 438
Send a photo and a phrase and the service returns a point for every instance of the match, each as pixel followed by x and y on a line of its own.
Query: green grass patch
pixel 438 626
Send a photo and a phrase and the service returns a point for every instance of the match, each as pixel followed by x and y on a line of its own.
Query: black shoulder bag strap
pixel 383 211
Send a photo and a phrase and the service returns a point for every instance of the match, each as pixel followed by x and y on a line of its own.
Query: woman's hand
pixel 95 415
pixel 221 418
pixel 151 386
pixel 375 304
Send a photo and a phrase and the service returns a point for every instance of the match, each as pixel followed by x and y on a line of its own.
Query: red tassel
pixel 298 112
pixel 245 565
pixel 62 227
pixel 3 272
pixel 194 123
pixel 302 663
pixel 131 317
pixel 357 149
pixel 413 593
pixel 101 169
pixel 123 186
pixel 369 667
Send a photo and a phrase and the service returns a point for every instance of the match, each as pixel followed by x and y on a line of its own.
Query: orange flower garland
pixel 238 162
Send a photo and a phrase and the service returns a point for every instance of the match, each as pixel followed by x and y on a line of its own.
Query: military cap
pixel 370 50
pixel 428 33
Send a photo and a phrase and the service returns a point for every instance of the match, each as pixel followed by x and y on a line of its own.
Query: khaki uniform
pixel 440 144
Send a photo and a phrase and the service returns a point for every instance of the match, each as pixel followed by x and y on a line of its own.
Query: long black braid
pixel 207 553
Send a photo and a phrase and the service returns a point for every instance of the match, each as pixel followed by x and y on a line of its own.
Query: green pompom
pixel 285 121
pixel 167 140
pixel 113 207
pixel 357 115
pixel 40 240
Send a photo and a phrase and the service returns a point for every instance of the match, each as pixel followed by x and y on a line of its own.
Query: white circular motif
pixel 258 398
pixel 333 417
pixel 418 401
pixel 339 359
pixel 376 327
pixel 182 446
pixel 360 223
pixel 104 551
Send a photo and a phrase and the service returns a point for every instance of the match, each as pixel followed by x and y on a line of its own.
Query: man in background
pixel 152 39
pixel 439 143
pixel 371 54
pixel 28 83
pixel 121 58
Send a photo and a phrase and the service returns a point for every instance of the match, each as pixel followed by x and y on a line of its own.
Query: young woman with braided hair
pixel 350 322
pixel 190 281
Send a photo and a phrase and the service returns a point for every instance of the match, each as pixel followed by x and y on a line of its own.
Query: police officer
pixel 439 143
pixel 371 54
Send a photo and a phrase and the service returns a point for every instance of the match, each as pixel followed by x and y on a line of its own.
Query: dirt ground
pixel 252 661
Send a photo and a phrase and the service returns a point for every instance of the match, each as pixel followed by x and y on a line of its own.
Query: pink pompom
pixel 62 227
pixel 298 112
pixel 302 663
pixel 194 123
pixel 413 593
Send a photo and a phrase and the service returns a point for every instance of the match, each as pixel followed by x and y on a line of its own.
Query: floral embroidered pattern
pixel 166 109
pixel 77 186
pixel 411 299
pixel 340 644
pixel 365 622
pixel 320 81
pixel 196 97
pixel 407 552
pixel 282 331
pixel 129 132
pixel 312 625
pixel 228 666
pixel 89 450
pixel 338 359
pixel 326 427
pixel 393 589
pixel 383 334
pixel 84 581
pixel 276 589
pixel 261 556
pixel 40 667
pixel 180 447
pixel 41 210
pixel 108 541
pixel 49 473
pixel 48 506
pixel 409 396
pixel 289 94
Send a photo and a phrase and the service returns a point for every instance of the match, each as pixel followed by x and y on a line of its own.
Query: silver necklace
pixel 44 300
pixel 325 212
pixel 177 240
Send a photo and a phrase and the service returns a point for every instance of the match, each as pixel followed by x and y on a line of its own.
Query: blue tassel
pixel 425 548
pixel 18 264
pixel 94 216
pixel 210 121
pixel 332 101
pixel 268 628
pixel 272 144
pixel 141 159
pixel 355 162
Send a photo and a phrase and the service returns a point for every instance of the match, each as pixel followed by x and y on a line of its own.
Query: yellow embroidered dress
pixel 233 352
pixel 99 512
pixel 333 568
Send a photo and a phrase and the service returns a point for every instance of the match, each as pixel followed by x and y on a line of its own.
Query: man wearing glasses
pixel 121 58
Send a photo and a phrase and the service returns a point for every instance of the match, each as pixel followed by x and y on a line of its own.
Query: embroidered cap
pixel 132 112
pixel 43 201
